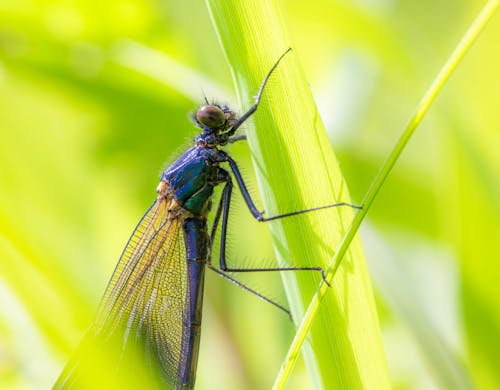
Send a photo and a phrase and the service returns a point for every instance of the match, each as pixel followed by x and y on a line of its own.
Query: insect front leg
pixel 255 105
pixel 236 138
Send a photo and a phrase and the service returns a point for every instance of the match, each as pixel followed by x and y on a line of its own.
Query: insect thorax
pixel 192 178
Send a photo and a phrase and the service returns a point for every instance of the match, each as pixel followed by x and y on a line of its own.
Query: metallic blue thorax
pixel 192 177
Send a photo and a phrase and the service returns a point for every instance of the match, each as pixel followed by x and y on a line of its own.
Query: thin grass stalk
pixel 337 261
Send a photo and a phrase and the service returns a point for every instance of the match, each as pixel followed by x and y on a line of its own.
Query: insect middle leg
pixel 223 210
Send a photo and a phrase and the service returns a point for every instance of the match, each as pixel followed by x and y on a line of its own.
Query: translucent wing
pixel 140 319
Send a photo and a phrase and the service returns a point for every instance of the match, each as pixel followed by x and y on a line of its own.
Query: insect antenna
pixel 205 96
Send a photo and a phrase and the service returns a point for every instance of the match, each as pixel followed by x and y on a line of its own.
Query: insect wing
pixel 137 337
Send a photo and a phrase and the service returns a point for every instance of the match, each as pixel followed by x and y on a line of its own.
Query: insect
pixel 152 306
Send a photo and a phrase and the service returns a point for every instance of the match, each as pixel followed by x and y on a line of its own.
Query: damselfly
pixel 152 306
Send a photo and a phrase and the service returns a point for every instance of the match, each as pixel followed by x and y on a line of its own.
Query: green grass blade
pixel 446 71
pixel 297 169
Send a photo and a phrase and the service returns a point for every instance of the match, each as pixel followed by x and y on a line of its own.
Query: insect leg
pixel 252 109
pixel 225 198
pixel 259 216
pixel 215 223
pixel 246 288
pixel 225 202
pixel 236 138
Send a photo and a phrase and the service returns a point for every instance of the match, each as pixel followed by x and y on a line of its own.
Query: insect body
pixel 152 307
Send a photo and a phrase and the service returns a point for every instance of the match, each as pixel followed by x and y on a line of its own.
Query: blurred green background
pixel 94 101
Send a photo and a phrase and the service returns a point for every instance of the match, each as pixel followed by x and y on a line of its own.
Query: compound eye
pixel 211 116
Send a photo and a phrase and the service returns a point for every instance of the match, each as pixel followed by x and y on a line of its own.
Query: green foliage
pixel 298 170
pixel 87 119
